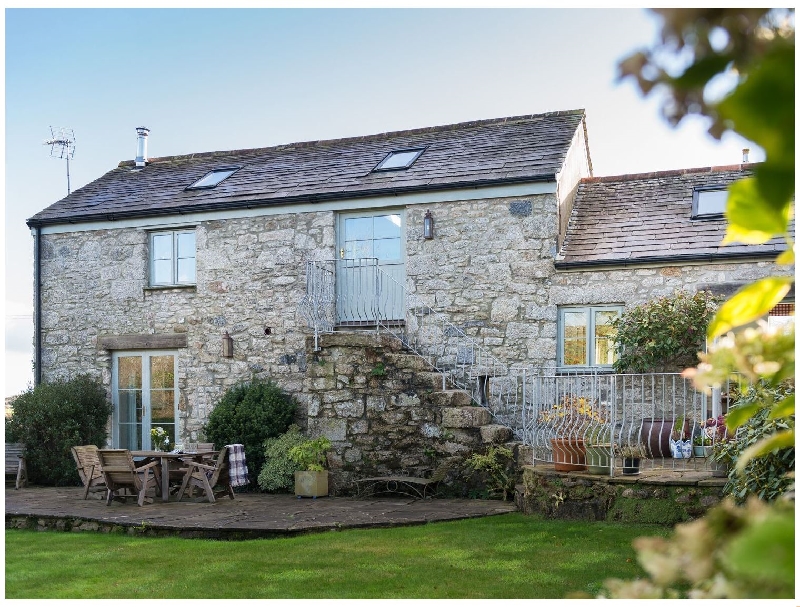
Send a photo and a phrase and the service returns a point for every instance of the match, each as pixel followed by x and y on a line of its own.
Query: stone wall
pixel 664 499
pixel 489 269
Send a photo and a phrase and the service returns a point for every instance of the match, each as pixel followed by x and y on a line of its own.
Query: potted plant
pixel 715 430
pixel 598 449
pixel 632 453
pixel 702 446
pixel 310 455
pixel 567 422
pixel 680 445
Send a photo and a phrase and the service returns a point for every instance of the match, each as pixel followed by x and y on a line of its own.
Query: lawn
pixel 508 556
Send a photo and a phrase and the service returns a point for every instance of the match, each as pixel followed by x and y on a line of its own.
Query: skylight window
pixel 709 203
pixel 213 178
pixel 399 160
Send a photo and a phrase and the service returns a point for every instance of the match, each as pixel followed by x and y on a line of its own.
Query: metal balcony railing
pixel 606 412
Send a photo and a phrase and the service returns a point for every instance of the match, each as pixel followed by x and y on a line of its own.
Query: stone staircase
pixel 385 411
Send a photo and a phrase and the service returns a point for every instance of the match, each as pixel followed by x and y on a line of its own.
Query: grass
pixel 508 556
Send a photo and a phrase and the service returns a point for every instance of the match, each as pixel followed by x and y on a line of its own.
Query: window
pixel 212 178
pixel 781 315
pixel 585 336
pixel 172 258
pixel 398 160
pixel 709 202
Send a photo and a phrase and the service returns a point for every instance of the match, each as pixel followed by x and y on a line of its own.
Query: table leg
pixel 165 479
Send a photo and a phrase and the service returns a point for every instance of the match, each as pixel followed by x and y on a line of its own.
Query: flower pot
pixel 569 454
pixel 630 466
pixel 702 450
pixel 598 459
pixel 310 483
pixel 656 434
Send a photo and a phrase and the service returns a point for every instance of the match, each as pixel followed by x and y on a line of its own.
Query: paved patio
pixel 249 516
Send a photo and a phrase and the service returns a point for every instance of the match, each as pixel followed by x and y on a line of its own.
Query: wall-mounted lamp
pixel 427 226
pixel 227 345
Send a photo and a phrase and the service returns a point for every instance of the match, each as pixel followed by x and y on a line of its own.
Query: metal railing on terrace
pixel 560 416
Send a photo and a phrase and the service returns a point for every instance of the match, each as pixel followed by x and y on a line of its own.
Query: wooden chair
pixel 88 464
pixel 122 476
pixel 214 480
pixel 16 466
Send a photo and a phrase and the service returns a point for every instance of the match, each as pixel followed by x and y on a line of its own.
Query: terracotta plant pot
pixel 569 454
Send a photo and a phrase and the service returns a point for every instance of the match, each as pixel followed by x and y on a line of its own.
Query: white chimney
pixel 141 145
pixel 745 155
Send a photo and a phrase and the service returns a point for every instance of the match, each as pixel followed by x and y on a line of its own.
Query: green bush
pixel 250 413
pixel 663 334
pixel 770 476
pixel 52 418
pixel 277 474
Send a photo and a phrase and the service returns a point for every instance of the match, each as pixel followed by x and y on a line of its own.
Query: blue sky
pixel 204 80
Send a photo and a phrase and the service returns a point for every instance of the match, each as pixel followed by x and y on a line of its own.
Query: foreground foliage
pixel 53 417
pixel 735 551
pixel 508 556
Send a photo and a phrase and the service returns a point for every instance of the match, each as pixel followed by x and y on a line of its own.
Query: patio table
pixel 165 458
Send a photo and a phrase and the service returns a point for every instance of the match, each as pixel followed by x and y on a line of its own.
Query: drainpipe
pixel 37 306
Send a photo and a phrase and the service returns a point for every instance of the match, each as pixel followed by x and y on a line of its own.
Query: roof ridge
pixel 375 136
pixel 669 173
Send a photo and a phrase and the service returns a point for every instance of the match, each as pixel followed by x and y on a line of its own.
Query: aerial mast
pixel 62 146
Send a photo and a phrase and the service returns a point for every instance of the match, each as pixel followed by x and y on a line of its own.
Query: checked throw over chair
pixel 213 479
pixel 122 476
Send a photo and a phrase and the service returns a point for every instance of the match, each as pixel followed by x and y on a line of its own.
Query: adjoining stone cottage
pixel 174 278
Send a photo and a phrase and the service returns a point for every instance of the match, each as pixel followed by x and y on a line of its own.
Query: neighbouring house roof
pixel 647 218
pixel 487 152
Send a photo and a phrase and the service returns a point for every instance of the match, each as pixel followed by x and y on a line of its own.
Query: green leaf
pixel 786 258
pixel 784 408
pixel 738 416
pixel 749 304
pixel 765 446
pixel 751 218
pixel 764 553
pixel 701 71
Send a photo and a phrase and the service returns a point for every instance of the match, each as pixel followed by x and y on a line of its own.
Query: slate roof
pixel 647 218
pixel 486 152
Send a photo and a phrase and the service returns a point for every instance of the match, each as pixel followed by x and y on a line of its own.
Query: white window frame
pixel 589 311
pixel 174 259
pixel 145 356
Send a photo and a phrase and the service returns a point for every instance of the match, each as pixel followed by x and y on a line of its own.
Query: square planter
pixel 598 459
pixel 308 483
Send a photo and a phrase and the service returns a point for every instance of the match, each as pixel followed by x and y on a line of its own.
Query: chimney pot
pixel 745 155
pixel 141 145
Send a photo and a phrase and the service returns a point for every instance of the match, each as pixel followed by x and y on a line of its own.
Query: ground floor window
pixel 144 396
pixel 585 336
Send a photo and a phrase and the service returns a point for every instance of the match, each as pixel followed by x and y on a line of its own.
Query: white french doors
pixel 144 396
pixel 370 240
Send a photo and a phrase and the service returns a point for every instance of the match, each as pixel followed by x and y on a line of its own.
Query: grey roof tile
pixel 488 151
pixel 636 218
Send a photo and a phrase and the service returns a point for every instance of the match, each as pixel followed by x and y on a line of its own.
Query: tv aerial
pixel 62 146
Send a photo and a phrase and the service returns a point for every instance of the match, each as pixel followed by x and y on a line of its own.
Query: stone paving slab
pixel 250 515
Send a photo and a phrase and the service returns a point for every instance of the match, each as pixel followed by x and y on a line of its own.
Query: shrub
pixel 54 417
pixel 767 477
pixel 277 474
pixel 249 413
pixel 497 469
pixel 664 334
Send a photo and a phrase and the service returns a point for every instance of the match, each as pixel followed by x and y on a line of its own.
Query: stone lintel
pixel 145 341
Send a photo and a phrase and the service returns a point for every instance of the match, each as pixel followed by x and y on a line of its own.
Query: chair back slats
pixel 121 474
pixel 88 464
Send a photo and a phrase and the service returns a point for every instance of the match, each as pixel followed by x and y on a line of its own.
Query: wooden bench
pixel 412 486
pixel 15 464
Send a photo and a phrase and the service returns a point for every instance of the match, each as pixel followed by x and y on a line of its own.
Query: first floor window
pixel 586 337
pixel 172 258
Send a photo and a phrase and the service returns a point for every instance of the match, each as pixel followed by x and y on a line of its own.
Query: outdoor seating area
pixel 145 475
